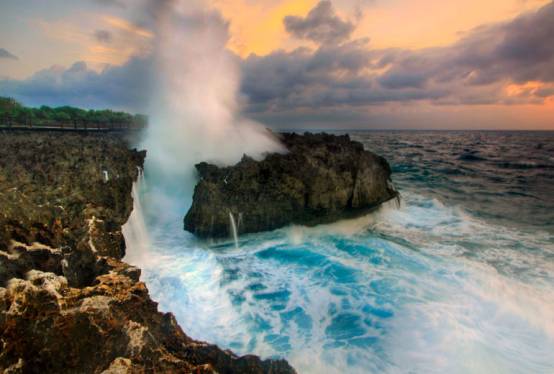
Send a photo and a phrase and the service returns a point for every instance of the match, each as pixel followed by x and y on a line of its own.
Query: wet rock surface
pixel 68 304
pixel 321 179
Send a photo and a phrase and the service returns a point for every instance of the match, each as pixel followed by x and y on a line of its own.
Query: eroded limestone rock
pixel 68 304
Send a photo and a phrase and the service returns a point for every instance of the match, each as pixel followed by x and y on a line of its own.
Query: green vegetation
pixel 13 113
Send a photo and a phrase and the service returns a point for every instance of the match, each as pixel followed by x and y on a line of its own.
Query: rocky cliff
pixel 322 178
pixel 68 304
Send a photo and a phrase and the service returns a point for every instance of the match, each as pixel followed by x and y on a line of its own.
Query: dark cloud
pixel 124 87
pixel 103 36
pixel 518 51
pixel 118 3
pixel 475 70
pixel 321 25
pixel 7 55
pixel 342 77
pixel 545 92
pixel 402 80
pixel 331 76
pixel 528 46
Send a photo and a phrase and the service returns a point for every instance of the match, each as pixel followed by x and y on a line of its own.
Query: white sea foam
pixel 423 288
pixel 357 296
pixel 486 323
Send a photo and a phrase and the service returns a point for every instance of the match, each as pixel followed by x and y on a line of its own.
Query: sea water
pixel 458 278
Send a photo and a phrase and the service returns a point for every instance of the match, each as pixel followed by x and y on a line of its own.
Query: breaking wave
pixel 423 288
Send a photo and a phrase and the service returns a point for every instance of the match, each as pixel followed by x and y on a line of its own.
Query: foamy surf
pixel 450 281
pixel 391 292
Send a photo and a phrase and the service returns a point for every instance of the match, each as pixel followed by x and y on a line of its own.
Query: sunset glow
pixel 346 63
pixel 277 186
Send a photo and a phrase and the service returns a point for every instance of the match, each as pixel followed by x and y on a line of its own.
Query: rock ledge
pixel 68 304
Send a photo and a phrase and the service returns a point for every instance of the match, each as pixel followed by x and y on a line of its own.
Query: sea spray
pixel 427 288
pixel 135 232
pixel 233 227
pixel 195 112
pixel 364 295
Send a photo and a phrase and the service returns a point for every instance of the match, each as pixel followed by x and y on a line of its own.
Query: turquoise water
pixel 458 278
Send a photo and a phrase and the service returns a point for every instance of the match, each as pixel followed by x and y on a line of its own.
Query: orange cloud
pixel 257 27
pixel 63 30
pixel 80 44
pixel 541 92
pixel 121 24
pixel 525 89
pixel 129 40
pixel 431 23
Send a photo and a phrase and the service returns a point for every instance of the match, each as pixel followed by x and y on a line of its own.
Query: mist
pixel 195 113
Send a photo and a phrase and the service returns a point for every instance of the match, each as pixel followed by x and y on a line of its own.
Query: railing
pixel 10 123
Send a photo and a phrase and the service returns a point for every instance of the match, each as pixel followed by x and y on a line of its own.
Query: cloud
pixel 117 3
pixel 120 87
pixel 128 27
pixel 329 77
pixel 518 51
pixel 321 25
pixel 103 36
pixel 491 65
pixel 7 55
pixel 545 92
pixel 500 64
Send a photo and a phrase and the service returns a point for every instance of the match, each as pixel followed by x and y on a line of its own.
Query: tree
pixel 8 104
pixel 12 111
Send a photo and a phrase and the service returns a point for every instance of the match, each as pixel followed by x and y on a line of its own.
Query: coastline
pixel 68 303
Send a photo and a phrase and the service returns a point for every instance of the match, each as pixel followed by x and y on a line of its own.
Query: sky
pixel 376 64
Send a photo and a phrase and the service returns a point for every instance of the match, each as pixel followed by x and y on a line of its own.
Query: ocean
pixel 456 278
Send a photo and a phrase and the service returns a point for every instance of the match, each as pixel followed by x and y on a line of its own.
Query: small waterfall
pixel 234 229
pixel 134 230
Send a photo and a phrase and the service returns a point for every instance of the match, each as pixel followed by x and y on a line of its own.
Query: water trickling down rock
pixel 321 179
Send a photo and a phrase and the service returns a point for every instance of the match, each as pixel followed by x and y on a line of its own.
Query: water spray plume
pixel 195 114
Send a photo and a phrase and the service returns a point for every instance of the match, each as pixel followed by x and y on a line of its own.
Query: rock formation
pixel 68 304
pixel 322 178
